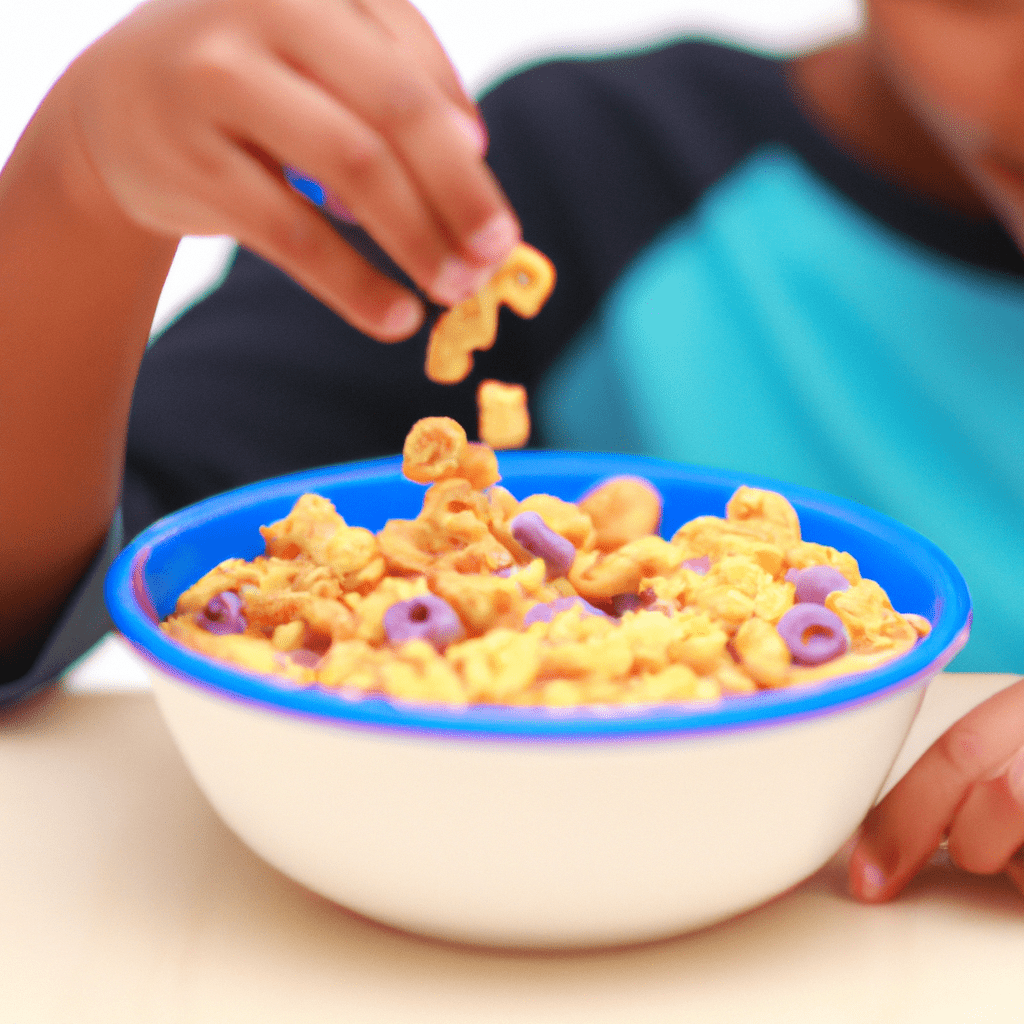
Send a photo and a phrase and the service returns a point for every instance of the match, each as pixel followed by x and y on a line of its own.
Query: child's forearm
pixel 78 287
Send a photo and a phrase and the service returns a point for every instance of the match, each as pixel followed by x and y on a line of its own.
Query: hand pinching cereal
pixel 523 284
pixel 504 417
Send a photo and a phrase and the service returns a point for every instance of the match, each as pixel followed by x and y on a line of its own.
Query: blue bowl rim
pixel 765 708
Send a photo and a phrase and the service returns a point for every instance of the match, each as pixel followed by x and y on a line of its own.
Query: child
pixel 791 268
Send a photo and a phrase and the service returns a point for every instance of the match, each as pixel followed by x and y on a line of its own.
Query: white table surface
pixel 125 899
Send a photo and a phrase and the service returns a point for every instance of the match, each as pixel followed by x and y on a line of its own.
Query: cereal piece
pixel 417 673
pixel 479 465
pixel 497 666
pixel 564 517
pixel 869 617
pixel 806 553
pixel 599 577
pixel 222 614
pixel 622 509
pixel 769 515
pixel 504 419
pixel 482 601
pixel 314 528
pixel 816 582
pixel 921 625
pixel 533 534
pixel 427 617
pixel 523 283
pixel 433 449
pixel 545 611
pixel 763 652
pixel 289 636
pixel 813 633
pixel 715 538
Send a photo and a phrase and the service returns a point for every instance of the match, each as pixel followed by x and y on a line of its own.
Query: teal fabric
pixel 778 330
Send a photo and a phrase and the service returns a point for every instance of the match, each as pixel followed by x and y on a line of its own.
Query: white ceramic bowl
pixel 531 827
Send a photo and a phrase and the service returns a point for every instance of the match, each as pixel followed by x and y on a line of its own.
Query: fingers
pixel 407 26
pixel 989 825
pixel 411 129
pixel 358 95
pixel 973 770
pixel 273 220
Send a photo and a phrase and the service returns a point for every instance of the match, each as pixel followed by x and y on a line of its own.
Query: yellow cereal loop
pixel 622 509
pixel 433 449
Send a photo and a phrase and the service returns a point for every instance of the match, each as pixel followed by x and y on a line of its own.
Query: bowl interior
pixel 164 560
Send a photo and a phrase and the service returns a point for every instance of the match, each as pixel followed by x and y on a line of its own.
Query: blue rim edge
pixel 765 708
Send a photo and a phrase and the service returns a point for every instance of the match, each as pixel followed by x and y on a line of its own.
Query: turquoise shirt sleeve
pixel 82 622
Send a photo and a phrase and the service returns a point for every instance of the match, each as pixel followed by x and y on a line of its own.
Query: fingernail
pixel 403 317
pixel 1015 777
pixel 471 128
pixel 495 240
pixel 872 880
pixel 457 280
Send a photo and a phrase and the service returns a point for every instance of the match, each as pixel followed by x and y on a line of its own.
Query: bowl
pixel 528 827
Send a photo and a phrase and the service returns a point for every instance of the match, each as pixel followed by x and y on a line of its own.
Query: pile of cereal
pixel 487 599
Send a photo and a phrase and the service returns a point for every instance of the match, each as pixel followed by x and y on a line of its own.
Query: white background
pixel 483 37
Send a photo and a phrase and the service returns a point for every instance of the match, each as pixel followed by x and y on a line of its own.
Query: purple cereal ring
pixel 816 582
pixel 222 614
pixel 545 612
pixel 813 633
pixel 699 565
pixel 427 617
pixel 540 540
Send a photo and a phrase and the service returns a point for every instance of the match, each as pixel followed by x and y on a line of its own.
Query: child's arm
pixel 969 785
pixel 178 122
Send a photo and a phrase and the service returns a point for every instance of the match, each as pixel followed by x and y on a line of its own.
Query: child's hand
pixel 968 787
pixel 189 109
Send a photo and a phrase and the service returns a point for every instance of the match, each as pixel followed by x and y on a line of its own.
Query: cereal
pixel 622 509
pixel 483 598
pixel 427 617
pixel 523 284
pixel 813 633
pixel 504 419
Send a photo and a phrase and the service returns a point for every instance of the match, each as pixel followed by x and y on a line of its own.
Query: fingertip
pixel 472 127
pixel 493 242
pixel 403 318
pixel 868 881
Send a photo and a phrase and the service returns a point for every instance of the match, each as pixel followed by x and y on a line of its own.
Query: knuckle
pixel 292 237
pixel 963 750
pixel 362 160
pixel 216 61
pixel 403 101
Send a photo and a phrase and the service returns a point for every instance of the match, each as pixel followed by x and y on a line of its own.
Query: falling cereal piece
pixel 523 284
pixel 504 416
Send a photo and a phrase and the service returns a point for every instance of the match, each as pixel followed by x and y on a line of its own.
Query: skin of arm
pixel 79 285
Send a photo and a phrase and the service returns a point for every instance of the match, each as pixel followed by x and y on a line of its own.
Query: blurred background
pixel 484 40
